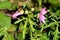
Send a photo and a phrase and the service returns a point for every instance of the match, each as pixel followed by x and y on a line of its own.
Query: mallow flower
pixel 16 14
pixel 41 15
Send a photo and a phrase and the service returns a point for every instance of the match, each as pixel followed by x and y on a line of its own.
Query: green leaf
pixel 14 7
pixel 56 35
pixel 21 26
pixel 4 20
pixel 40 3
pixel 25 28
pixel 19 20
pixel 29 4
pixel 55 2
pixel 31 25
pixel 24 5
pixel 5 5
pixel 44 37
pixel 8 37
pixel 20 36
pixel 12 28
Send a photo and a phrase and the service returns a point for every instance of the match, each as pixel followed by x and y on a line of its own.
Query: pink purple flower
pixel 43 11
pixel 16 14
pixel 41 15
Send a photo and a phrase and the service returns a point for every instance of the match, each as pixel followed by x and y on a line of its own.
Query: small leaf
pixel 31 25
pixel 20 36
pixel 19 20
pixel 4 20
pixel 14 7
pixel 24 29
pixel 5 5
pixel 9 37
pixel 12 28
pixel 24 5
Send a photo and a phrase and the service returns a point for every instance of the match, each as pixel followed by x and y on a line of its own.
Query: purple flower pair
pixel 41 15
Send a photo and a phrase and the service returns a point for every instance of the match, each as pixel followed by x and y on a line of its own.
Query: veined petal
pixel 43 11
pixel 42 18
pixel 16 14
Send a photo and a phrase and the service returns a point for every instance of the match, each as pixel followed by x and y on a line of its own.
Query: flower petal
pixel 43 11
pixel 16 14
pixel 42 18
